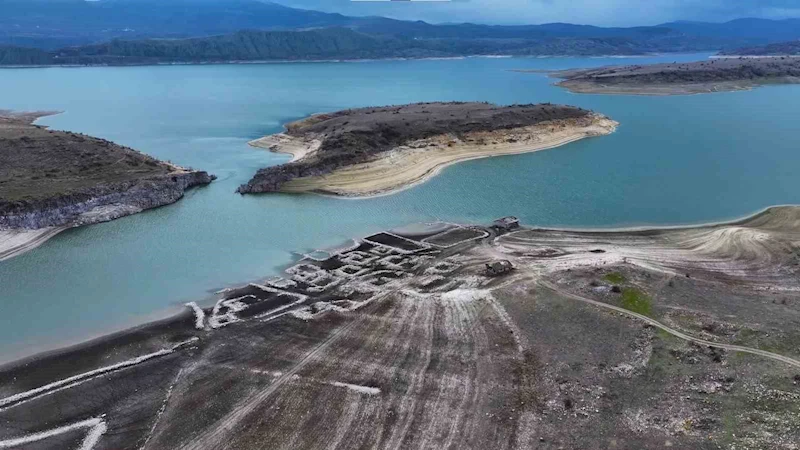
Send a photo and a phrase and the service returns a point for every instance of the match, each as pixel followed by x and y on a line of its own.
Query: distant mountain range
pixel 56 23
pixel 317 44
pixel 146 31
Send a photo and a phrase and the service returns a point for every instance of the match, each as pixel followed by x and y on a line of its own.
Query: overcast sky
pixel 594 12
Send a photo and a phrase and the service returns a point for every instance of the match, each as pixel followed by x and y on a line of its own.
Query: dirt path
pixel 676 333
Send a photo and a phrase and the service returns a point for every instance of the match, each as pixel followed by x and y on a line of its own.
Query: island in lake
pixel 714 75
pixel 52 180
pixel 454 336
pixel 371 151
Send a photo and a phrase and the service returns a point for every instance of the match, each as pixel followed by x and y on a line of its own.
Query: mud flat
pixel 682 338
pixel 372 151
pixel 53 180
pixel 715 75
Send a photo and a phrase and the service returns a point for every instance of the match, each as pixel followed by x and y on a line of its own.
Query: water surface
pixel 674 160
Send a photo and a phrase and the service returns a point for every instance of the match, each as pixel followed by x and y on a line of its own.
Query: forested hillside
pixel 321 44
pixel 120 32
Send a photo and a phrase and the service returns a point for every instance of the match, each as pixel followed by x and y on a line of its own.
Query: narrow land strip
pixel 699 77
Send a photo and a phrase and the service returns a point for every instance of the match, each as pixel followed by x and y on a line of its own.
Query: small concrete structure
pixel 500 267
pixel 506 223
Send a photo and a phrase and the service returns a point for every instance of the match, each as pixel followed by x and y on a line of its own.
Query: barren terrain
pixel 714 75
pixel 374 151
pixel 50 180
pixel 640 339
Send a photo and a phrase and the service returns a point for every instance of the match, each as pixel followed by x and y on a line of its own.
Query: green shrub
pixel 637 301
pixel 614 277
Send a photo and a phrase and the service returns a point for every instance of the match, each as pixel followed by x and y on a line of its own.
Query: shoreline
pixel 162 317
pixel 431 300
pixel 752 56
pixel 287 145
pixel 716 74
pixel 49 208
pixel 18 242
pixel 311 61
pixel 666 90
pixel 407 166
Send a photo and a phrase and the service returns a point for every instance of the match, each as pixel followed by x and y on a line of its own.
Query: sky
pixel 592 12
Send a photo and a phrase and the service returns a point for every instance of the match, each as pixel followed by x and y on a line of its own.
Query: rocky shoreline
pixel 700 77
pixel 53 180
pixel 103 203
pixel 371 151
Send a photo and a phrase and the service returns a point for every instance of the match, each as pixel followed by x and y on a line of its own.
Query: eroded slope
pixel 376 150
pixel 54 179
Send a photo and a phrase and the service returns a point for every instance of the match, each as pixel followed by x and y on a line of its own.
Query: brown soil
pixel 396 344
pixel 37 163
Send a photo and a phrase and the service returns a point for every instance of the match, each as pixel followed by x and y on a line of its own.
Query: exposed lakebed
pixel 673 160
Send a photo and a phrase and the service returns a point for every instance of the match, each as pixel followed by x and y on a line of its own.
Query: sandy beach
pixel 284 143
pixel 420 160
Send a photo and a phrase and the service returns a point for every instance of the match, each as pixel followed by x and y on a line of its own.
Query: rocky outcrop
pixel 271 179
pixel 101 203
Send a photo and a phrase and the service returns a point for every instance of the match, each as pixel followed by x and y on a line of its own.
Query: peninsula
pixel 454 336
pixel 53 180
pixel 371 151
pixel 715 75
pixel 777 49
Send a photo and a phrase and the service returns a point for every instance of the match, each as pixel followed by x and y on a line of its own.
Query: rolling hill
pixel 40 32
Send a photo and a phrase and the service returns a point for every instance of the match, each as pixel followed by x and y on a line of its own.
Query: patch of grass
pixel 729 427
pixel 637 301
pixel 614 277
pixel 661 365
pixel 783 343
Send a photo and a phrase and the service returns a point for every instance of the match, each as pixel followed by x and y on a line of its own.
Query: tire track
pixel 416 384
pixel 22 397
pixel 213 438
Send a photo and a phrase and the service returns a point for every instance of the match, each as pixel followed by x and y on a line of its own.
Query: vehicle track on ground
pixel 676 333
pixel 213 437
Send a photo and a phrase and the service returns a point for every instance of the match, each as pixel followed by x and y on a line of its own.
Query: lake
pixel 673 160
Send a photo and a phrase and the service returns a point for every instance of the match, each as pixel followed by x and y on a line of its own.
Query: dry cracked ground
pixel 682 338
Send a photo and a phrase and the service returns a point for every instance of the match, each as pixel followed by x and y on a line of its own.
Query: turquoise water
pixel 673 160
